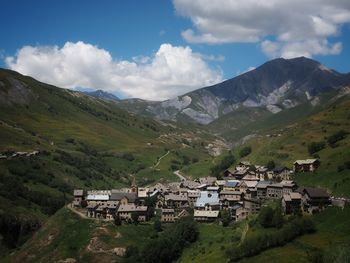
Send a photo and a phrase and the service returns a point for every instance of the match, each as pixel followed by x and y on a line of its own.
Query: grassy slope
pixel 66 235
pixel 332 230
pixel 102 135
pixel 293 142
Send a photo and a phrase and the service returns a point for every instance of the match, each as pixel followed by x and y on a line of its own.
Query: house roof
pixel 263 184
pixel 212 188
pixel 207 198
pixel 117 196
pixel 209 180
pixel 132 208
pixel 205 213
pixel 230 193
pixel 231 183
pixel 316 192
pixel 307 161
pixel 175 197
pixel 193 193
pixel 220 182
pixel 246 163
pixel 97 197
pixel 190 184
pixel 78 192
pixel 277 185
pixel 251 184
pixel 279 169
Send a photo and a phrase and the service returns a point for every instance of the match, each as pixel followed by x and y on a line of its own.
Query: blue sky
pixel 206 39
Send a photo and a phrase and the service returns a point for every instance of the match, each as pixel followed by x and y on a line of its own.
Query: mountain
pixel 274 86
pixel 100 94
pixel 54 140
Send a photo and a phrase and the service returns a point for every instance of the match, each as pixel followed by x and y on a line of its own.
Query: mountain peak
pixel 101 94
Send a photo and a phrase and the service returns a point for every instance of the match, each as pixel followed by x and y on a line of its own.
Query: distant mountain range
pixel 100 94
pixel 274 86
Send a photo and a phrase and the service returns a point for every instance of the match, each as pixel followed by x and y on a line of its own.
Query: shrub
pixel 334 138
pixel 245 151
pixel 225 163
pixel 270 165
pixel 225 217
pixel 315 147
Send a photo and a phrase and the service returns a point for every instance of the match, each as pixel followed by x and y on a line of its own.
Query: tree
pixel 314 147
pixel 83 203
pixel 265 216
pixel 117 220
pixel 277 219
pixel 225 217
pixel 135 217
pixel 334 138
pixel 158 225
pixel 271 164
pixel 245 151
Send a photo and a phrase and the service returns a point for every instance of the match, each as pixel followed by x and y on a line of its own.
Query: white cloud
pixel 171 71
pixel 291 22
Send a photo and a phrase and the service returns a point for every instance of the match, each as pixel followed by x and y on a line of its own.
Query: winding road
pixel 177 173
pixel 160 158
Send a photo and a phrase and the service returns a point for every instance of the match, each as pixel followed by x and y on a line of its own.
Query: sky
pixel 157 50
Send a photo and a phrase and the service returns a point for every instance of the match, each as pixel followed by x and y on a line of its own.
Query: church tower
pixel 134 188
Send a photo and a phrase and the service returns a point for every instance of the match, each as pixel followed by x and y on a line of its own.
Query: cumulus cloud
pixel 292 23
pixel 171 71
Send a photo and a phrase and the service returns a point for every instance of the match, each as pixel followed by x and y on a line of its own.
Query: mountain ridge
pixel 275 85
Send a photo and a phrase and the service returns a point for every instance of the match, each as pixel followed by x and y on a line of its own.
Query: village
pixel 242 191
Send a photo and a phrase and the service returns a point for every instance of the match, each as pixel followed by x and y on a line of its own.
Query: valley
pixel 92 141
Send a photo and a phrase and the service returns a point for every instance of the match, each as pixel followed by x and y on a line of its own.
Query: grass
pixel 85 139
pixel 332 230
pixel 66 235
pixel 212 242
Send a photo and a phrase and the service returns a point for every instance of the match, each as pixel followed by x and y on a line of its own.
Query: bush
pixel 315 147
pixel 245 151
pixel 158 225
pixel 225 217
pixel 256 244
pixel 168 246
pixel 271 164
pixel 334 138
pixel 225 163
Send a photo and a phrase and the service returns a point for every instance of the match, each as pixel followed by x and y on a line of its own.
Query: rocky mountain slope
pixel 274 86
pixel 100 94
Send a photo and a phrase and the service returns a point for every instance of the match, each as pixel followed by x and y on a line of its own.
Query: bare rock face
pixel 68 260
pixel 277 85
pixel 119 251
pixel 15 92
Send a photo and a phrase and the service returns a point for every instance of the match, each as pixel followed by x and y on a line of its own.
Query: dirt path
pixel 82 215
pixel 177 173
pixel 160 158
pixel 244 232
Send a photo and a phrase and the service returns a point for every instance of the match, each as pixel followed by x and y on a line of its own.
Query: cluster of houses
pixel 242 191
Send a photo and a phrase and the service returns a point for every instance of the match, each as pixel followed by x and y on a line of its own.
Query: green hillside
pixel 83 142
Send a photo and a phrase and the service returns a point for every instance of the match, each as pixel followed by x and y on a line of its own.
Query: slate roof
pixel 279 169
pixel 97 197
pixel 231 183
pixel 117 196
pixel 78 192
pixel 263 184
pixel 307 161
pixel 204 213
pixel 316 192
pixel 207 198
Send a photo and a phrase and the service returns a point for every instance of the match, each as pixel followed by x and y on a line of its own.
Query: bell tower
pixel 134 188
